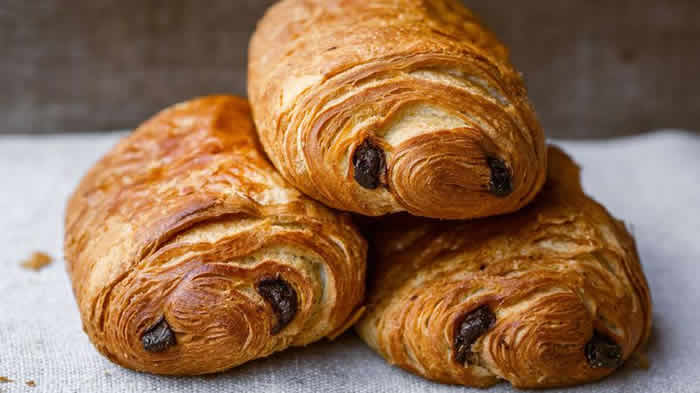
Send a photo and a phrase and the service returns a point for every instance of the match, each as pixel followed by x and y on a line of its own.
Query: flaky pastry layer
pixel 394 105
pixel 189 254
pixel 551 295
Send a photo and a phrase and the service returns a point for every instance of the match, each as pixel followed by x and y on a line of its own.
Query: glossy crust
pixel 188 253
pixel 421 80
pixel 552 275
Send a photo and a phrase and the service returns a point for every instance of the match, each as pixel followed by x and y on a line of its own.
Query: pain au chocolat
pixel 549 296
pixel 394 105
pixel 189 254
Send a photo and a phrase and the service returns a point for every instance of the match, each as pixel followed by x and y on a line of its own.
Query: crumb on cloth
pixel 37 261
pixel 5 380
pixel 31 383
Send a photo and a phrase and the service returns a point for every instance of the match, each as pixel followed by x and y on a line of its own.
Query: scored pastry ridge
pixel 420 81
pixel 552 295
pixel 188 253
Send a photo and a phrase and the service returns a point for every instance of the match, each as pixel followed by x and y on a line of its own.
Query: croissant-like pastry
pixel 189 254
pixel 394 105
pixel 552 295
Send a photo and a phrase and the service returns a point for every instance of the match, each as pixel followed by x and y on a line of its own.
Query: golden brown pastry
pixel 551 295
pixel 394 105
pixel 188 253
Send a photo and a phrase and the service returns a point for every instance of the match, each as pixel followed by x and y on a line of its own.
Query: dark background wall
pixel 594 68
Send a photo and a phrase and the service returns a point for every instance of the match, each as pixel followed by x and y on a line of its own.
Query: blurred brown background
pixel 594 68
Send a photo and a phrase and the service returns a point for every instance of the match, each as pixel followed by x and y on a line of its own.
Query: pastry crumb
pixel 37 261
pixel 5 380
pixel 31 383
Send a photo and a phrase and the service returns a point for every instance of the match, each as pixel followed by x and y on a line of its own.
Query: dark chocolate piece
pixel 283 299
pixel 368 162
pixel 474 324
pixel 602 352
pixel 501 183
pixel 159 337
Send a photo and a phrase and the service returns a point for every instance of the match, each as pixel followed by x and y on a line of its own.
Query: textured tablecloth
pixel 652 182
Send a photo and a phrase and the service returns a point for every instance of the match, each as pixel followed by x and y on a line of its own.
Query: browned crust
pixel 325 75
pixel 553 273
pixel 180 220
